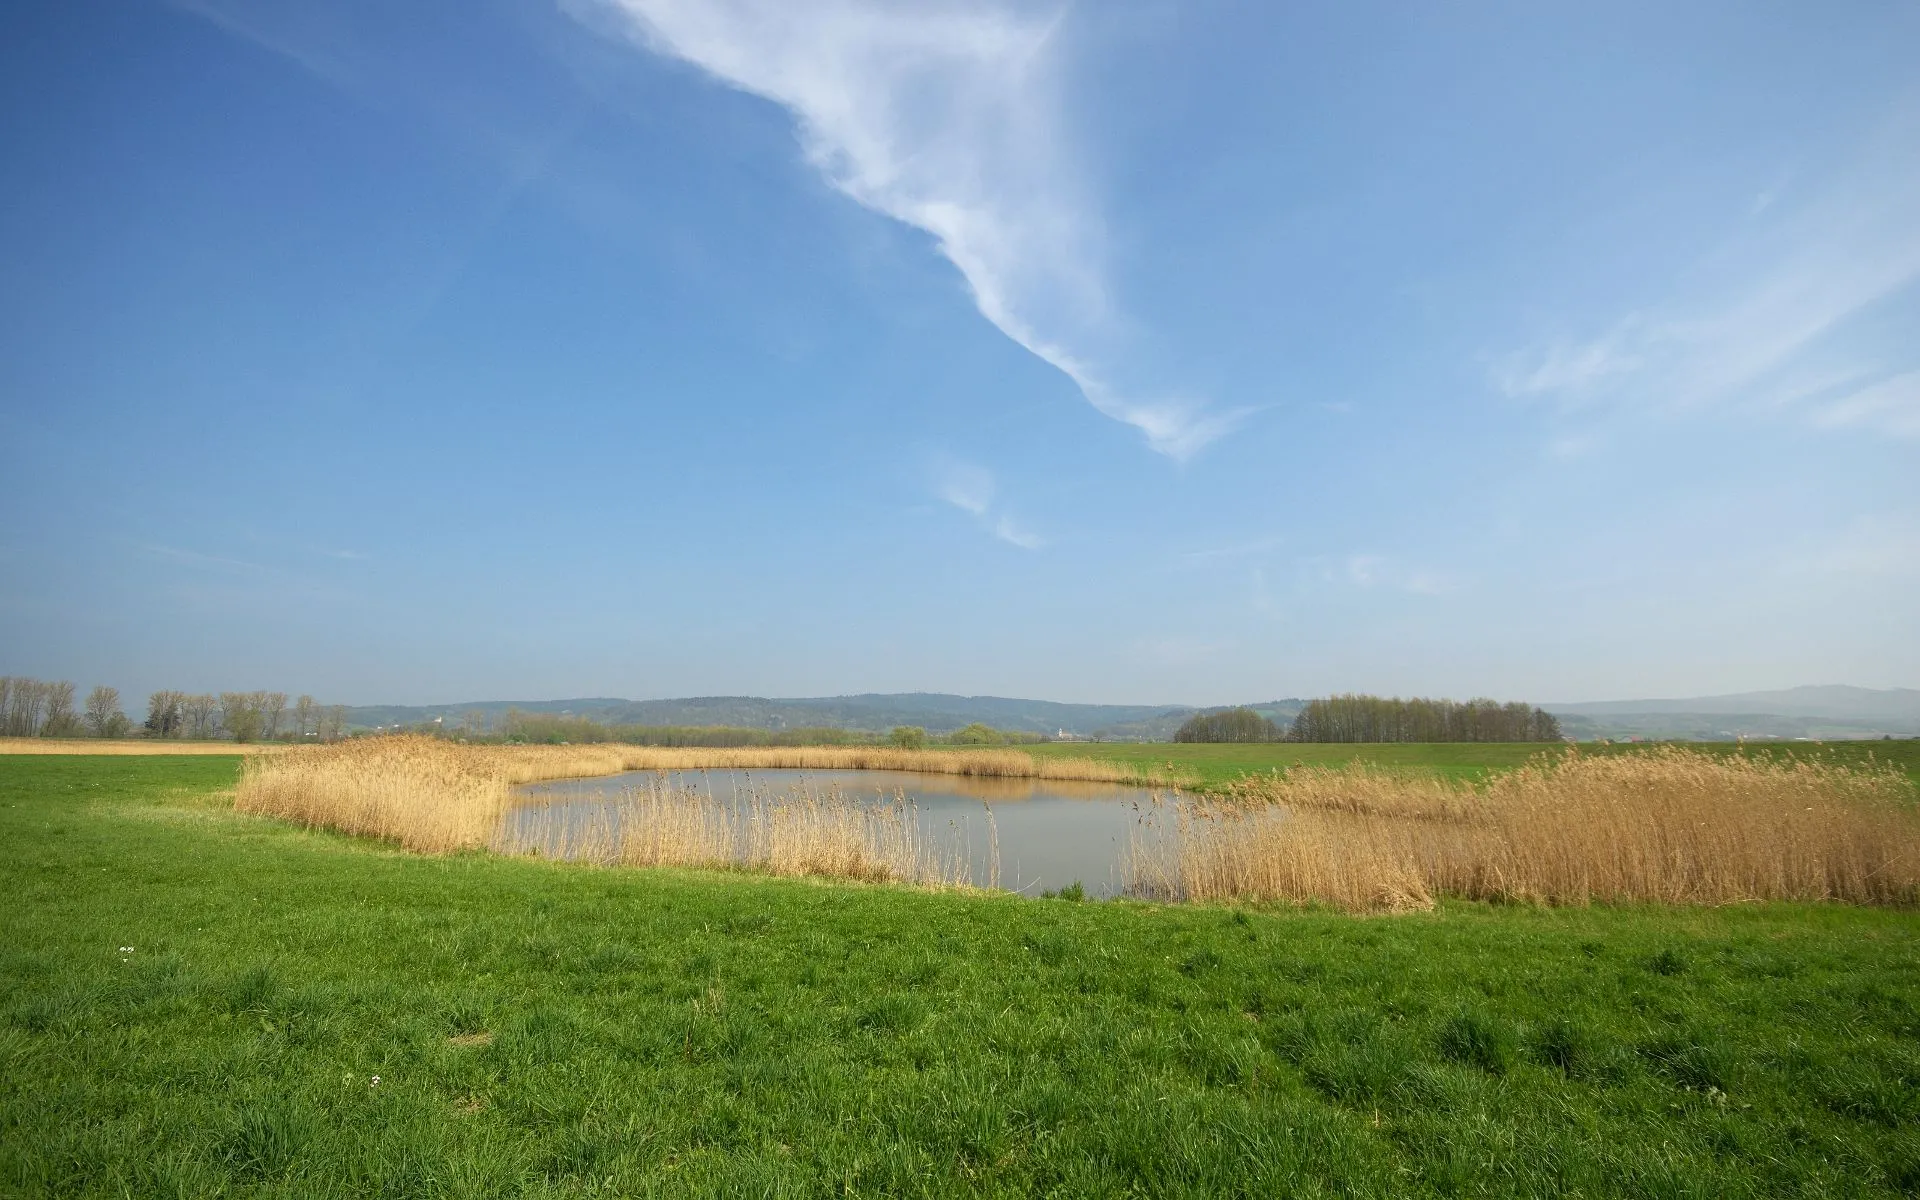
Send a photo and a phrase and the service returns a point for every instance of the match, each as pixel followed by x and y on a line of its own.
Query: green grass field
pixel 540 1029
pixel 1214 766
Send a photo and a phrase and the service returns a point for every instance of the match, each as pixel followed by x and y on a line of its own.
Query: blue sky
pixel 1133 352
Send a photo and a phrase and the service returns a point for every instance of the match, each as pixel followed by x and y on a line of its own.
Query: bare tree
pixel 25 707
pixel 61 720
pixel 103 712
pixel 333 723
pixel 272 710
pixel 12 695
pixel 304 716
pixel 200 710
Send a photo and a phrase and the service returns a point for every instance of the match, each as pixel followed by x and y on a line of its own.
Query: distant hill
pixel 1828 712
pixel 936 712
pixel 1834 700
pixel 1805 712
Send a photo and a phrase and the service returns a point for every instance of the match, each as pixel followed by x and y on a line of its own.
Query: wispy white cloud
pixel 1011 531
pixel 967 487
pixel 1377 571
pixel 1766 306
pixel 945 116
pixel 1891 405
pixel 196 558
pixel 311 35
pixel 971 488
pixel 1565 367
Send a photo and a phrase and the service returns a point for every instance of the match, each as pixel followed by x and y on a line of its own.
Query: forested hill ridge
pixel 935 712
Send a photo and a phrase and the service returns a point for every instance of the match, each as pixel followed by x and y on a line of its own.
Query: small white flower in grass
pixel 374 1082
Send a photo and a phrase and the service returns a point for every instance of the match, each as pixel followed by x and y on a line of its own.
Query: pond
pixel 1024 835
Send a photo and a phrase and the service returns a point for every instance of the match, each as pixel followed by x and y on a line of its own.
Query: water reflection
pixel 1026 835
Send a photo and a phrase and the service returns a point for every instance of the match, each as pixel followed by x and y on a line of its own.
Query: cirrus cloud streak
pixel 945 117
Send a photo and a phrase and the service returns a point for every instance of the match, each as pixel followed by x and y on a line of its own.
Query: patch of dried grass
pixel 131 746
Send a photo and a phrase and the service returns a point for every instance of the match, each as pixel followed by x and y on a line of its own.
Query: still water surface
pixel 1051 832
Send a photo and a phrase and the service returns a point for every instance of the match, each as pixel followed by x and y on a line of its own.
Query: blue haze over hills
pixel 1804 712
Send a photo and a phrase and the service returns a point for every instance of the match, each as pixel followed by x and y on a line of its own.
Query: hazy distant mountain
pixel 1834 701
pixel 936 712
pixel 1830 712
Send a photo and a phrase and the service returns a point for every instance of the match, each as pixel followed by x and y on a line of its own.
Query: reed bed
pixel 1670 826
pixel 795 832
pixel 435 796
pixel 423 793
pixel 130 746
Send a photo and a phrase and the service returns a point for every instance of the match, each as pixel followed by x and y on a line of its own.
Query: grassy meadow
pixel 198 1002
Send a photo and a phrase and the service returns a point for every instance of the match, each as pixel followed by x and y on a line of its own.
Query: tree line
pixel 1351 718
pixel 39 708
pixel 521 728
pixel 1233 725
pixel 546 727
pixel 242 716
pixel 1355 718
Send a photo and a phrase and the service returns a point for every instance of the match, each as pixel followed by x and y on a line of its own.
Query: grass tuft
pixel 1476 1040
pixel 264 1140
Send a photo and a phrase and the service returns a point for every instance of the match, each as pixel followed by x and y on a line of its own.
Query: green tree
pixel 1232 725
pixel 166 714
pixel 908 737
pixel 240 715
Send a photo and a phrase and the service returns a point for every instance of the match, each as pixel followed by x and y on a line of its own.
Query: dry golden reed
pixel 1671 826
pixel 423 793
pixel 128 746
